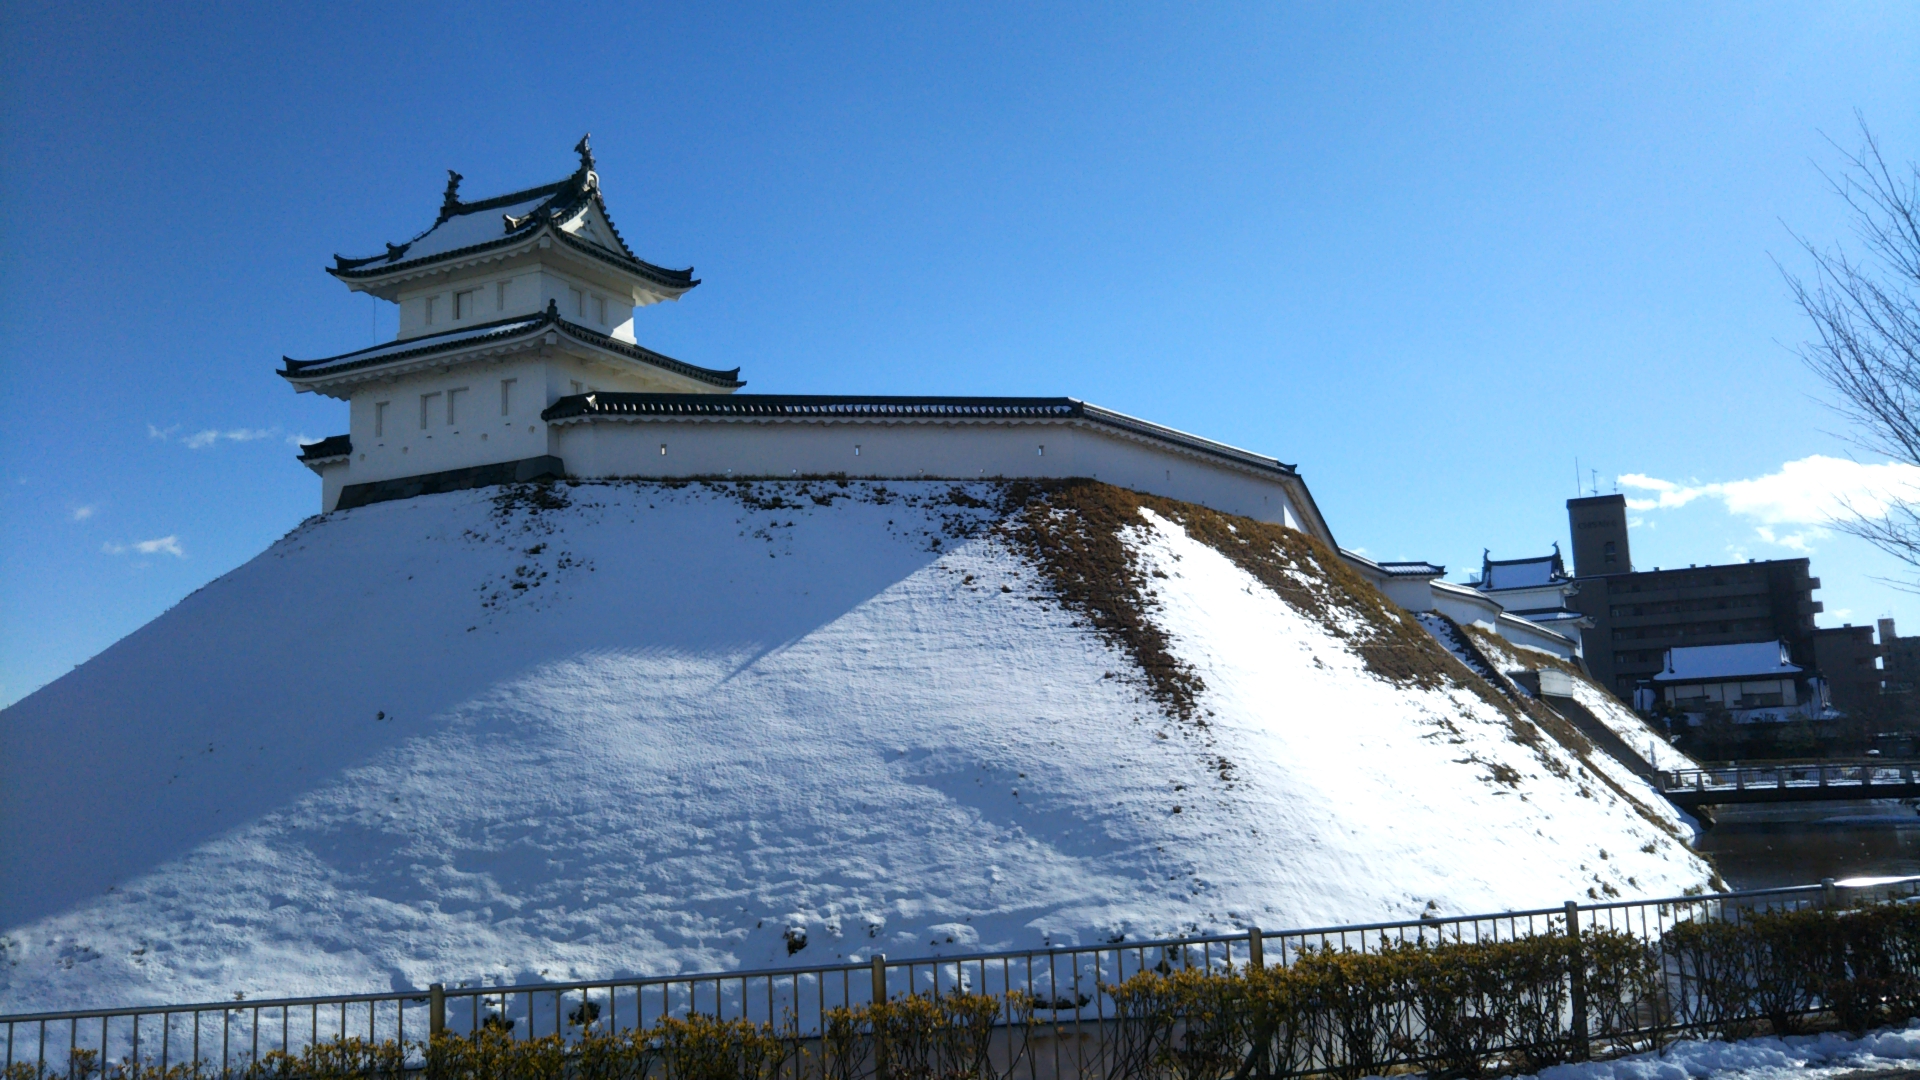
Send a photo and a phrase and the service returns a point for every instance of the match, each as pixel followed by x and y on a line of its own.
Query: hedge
pixel 1454 1009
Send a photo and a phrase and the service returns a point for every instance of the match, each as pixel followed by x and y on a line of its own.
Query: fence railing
pixel 1856 778
pixel 1068 987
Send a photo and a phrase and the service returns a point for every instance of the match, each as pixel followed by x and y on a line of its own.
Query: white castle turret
pixel 516 359
pixel 506 305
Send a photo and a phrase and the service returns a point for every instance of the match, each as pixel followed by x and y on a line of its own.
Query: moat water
pixel 1765 846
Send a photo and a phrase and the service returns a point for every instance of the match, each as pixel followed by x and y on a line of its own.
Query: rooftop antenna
pixel 1576 476
pixel 1596 480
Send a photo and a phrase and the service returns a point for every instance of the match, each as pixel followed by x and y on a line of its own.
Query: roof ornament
pixel 553 308
pixel 450 202
pixel 585 179
pixel 394 251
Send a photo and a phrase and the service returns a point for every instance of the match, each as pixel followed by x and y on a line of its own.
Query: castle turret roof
pixel 501 334
pixel 491 226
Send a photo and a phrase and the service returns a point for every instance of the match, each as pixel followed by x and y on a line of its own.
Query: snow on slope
pixel 642 728
pixel 1606 708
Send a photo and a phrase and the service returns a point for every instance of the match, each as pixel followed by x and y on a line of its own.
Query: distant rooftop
pixel 1418 569
pixel 1497 574
pixel 1709 663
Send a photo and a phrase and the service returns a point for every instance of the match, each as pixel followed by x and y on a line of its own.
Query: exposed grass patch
pixel 1074 531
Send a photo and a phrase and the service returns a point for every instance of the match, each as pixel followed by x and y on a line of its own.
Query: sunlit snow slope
pixel 648 729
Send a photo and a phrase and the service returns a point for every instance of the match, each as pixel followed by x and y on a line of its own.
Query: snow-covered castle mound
pixel 588 729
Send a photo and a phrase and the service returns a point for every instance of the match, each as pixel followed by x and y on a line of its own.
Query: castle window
pixel 426 408
pixel 427 307
pixel 379 419
pixel 600 310
pixel 463 305
pixel 500 297
pixel 578 387
pixel 453 398
pixel 579 303
pixel 506 396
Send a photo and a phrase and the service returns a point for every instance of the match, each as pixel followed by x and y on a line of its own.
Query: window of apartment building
pixel 579 303
pixel 426 306
pixel 463 304
pixel 380 419
pixel 427 402
pixel 1612 552
pixel 506 396
pixel 453 404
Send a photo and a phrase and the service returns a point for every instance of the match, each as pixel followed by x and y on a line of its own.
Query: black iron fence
pixel 1058 1007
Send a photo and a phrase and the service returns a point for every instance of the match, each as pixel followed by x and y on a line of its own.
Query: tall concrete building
pixel 1849 660
pixel 1599 527
pixel 1639 615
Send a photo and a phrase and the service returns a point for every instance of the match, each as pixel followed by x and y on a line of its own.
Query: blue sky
pixel 1433 254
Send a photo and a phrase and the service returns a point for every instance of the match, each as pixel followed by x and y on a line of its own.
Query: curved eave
pixel 665 282
pixel 354 367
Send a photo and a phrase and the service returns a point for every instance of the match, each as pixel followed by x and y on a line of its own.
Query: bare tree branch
pixel 1865 312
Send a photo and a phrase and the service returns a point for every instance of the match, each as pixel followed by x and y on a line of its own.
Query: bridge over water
pixel 1790 781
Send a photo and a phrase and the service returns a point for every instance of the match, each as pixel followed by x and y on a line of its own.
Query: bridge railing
pixel 1791 775
pixel 1068 985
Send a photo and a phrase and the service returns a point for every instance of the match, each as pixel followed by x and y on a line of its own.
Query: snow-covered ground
pixel 1606 708
pixel 665 729
pixel 1892 1051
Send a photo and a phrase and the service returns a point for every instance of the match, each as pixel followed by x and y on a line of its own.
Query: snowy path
pixel 1828 1056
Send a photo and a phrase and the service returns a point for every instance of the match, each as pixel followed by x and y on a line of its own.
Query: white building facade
pixel 516 359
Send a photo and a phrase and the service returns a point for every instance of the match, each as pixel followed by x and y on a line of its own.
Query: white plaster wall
pixel 930 450
pixel 1533 598
pixel 523 298
pixel 558 284
pixel 1415 594
pixel 480 435
pixel 1464 605
pixel 1521 632
pixel 592 375
pixel 333 477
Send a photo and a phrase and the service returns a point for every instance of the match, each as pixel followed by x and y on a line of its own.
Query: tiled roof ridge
pixel 495 202
pixel 423 343
pixel 503 328
pixel 1412 568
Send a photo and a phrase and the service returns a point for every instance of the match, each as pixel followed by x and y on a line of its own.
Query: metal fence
pixel 1790 781
pixel 1069 986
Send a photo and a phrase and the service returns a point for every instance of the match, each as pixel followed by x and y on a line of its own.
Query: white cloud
pixel 301 440
pixel 1813 491
pixel 1796 541
pixel 165 545
pixel 206 437
pixel 82 513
